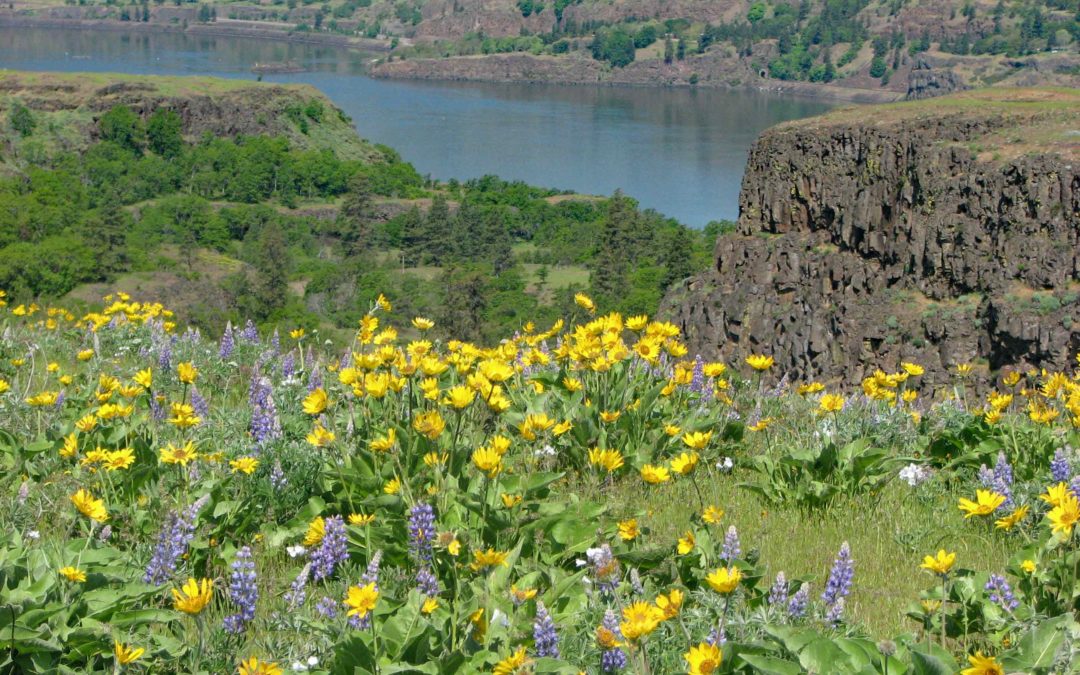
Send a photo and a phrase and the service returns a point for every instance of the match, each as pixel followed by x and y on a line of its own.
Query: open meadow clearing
pixel 583 497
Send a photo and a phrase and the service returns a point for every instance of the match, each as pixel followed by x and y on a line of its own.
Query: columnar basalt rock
pixel 942 233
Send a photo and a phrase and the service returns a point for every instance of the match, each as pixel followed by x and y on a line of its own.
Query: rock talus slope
pixel 941 232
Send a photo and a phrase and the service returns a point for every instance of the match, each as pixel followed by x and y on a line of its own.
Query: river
pixel 679 151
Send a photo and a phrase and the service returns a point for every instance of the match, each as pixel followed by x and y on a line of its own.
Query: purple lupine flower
pixel 835 612
pixel 24 492
pixel 1003 480
pixel 612 660
pixel 157 411
pixel 275 343
pixel 545 639
pixel 717 637
pixel 228 342
pixel 799 602
pixel 333 549
pixel 635 582
pixel 1074 485
pixel 605 567
pixel 315 378
pixel 427 582
pixel 297 592
pixel 288 366
pixel 105 533
pixel 173 541
pixel 250 333
pixel 778 594
pixel 165 356
pixel 840 576
pixel 265 423
pixel 698 384
pixel 243 591
pixel 421 531
pixel 327 606
pixel 371 574
pixel 277 476
pixel 200 404
pixel 1001 593
pixel 1059 467
pixel 732 548
pixel 60 399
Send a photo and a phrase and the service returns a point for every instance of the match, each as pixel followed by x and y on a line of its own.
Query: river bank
pixel 705 71
pixel 220 28
pixel 714 71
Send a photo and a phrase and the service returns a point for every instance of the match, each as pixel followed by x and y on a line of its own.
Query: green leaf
pixel 770 665
pixel 1039 646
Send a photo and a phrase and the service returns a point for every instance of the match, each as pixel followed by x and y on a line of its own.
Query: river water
pixel 678 151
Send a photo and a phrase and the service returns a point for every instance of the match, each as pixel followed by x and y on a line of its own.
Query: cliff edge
pixel 941 232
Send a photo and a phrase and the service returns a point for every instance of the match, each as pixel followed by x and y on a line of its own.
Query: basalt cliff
pixel 941 232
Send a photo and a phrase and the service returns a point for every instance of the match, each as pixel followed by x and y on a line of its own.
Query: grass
pixel 883 529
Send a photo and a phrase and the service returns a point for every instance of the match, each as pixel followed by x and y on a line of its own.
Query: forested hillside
pixel 129 185
pixel 864 45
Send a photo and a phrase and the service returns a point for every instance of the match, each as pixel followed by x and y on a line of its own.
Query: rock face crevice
pixel 942 235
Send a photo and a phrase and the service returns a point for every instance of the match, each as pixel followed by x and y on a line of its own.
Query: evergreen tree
pixel 271 270
pixel 353 222
pixel 617 247
pixel 465 303
pixel 437 231
pixel 106 236
pixel 413 237
pixel 669 50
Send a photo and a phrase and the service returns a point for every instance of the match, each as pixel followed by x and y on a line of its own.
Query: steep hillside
pixel 853 49
pixel 943 232
pixel 67 107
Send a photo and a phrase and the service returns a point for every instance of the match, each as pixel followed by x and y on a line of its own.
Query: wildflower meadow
pixel 584 497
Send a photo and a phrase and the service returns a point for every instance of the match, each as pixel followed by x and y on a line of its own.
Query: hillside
pixel 945 232
pixel 68 106
pixel 849 49
pixel 229 200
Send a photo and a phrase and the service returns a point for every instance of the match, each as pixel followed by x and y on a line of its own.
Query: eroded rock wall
pixel 861 244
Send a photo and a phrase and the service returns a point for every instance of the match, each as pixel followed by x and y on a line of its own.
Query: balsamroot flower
pixel 724 580
pixel 193 596
pixel 253 666
pixel 985 504
pixel 92 508
pixel 940 564
pixel 703 659
pixel 361 600
pixel 126 654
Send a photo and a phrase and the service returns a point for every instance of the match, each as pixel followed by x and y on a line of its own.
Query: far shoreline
pixel 805 90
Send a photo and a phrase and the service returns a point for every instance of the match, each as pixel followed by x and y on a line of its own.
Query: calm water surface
pixel 678 151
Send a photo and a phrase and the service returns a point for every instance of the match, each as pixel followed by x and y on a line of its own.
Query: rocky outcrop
pixel 941 232
pixel 220 108
pixel 926 81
